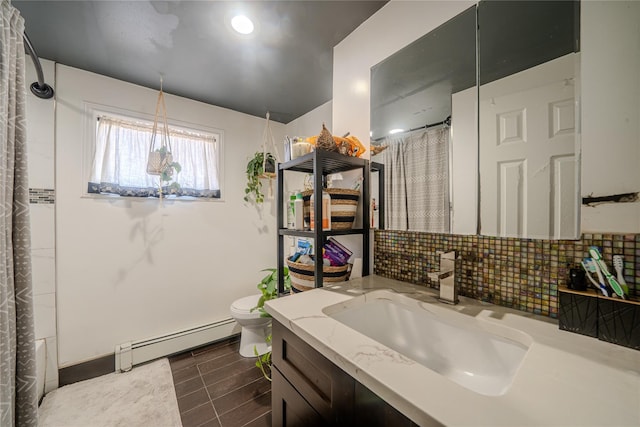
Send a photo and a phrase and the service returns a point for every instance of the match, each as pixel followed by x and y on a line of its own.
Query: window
pixel 121 152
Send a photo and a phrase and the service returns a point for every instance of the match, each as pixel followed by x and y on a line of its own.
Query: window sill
pixel 110 197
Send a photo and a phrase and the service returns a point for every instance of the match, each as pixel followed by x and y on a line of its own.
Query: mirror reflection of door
pixel 527 141
pixel 529 167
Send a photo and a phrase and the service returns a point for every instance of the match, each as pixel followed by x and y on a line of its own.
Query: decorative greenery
pixel 255 171
pixel 168 173
pixel 268 286
pixel 170 169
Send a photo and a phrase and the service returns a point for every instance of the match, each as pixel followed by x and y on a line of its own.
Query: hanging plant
pixel 257 168
pixel 160 161
pixel 263 165
pixel 169 171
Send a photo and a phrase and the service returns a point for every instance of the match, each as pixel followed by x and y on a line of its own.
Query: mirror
pixel 528 119
pixel 520 128
pixel 420 99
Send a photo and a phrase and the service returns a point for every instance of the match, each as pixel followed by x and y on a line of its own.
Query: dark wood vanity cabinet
pixel 309 390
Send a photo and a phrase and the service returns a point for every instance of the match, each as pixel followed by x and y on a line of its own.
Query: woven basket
pixel 344 203
pixel 303 275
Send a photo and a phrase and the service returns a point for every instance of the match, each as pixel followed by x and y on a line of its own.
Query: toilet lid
pixel 246 303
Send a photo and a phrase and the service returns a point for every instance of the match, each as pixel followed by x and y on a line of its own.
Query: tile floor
pixel 215 386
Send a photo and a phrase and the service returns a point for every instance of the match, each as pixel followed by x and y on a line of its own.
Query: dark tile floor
pixel 215 386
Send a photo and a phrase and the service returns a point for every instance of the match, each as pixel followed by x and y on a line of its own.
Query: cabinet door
pixel 327 388
pixel 371 410
pixel 289 409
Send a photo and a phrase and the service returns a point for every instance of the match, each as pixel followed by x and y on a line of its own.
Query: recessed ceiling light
pixel 392 131
pixel 242 24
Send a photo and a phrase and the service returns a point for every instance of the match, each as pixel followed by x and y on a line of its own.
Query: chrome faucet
pixel 446 277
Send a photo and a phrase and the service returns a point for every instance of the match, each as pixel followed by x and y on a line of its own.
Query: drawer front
pixel 288 408
pixel 328 389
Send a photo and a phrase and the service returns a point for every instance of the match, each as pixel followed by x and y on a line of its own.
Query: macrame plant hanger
pixel 160 157
pixel 267 137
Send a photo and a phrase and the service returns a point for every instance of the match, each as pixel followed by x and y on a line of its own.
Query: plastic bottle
pixel 326 210
pixel 312 213
pixel 298 212
pixel 290 214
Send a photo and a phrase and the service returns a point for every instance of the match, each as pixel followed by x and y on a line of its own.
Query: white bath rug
pixel 144 396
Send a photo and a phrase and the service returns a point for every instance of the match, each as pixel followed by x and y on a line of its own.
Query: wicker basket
pixel 344 203
pixel 303 275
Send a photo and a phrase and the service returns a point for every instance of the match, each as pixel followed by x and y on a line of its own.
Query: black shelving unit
pixel 320 164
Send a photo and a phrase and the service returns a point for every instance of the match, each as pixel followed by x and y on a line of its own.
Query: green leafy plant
pixel 255 171
pixel 171 169
pixel 268 286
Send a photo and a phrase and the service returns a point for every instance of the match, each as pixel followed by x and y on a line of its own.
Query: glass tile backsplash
pixel 41 196
pixel 519 273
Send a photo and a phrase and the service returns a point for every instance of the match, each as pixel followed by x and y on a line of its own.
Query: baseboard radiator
pixel 130 354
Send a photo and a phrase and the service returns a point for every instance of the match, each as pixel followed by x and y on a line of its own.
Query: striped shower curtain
pixel 18 393
pixel 417 180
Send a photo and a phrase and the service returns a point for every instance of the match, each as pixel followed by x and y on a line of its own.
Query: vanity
pixel 375 351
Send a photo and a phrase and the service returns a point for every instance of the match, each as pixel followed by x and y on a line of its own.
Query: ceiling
pixel 284 67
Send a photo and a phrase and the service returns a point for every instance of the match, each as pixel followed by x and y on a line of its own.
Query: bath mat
pixel 144 396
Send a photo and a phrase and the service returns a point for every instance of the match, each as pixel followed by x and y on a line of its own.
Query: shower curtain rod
pixel 446 121
pixel 39 88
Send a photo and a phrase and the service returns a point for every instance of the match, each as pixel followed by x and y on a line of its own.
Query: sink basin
pixel 477 354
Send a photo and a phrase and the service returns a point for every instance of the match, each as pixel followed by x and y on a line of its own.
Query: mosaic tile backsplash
pixel 41 196
pixel 519 273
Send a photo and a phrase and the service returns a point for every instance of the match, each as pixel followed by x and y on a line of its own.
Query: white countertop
pixel 565 379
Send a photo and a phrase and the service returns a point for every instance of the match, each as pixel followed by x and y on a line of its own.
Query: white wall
pixel 610 112
pixel 311 123
pixel 40 154
pixel 134 269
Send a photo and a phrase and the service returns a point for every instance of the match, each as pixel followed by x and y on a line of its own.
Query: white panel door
pixel 528 173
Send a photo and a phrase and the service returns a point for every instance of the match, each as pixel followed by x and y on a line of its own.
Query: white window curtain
pixel 120 161
pixel 417 180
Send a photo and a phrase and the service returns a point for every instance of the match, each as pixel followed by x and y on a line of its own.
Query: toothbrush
pixel 597 257
pixel 587 270
pixel 618 263
pixel 591 268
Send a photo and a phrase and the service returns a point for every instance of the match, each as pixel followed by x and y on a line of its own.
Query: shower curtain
pixel 417 180
pixel 18 393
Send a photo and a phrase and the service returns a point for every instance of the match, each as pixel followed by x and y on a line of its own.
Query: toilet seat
pixel 244 305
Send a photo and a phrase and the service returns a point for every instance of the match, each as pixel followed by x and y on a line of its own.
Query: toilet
pixel 254 328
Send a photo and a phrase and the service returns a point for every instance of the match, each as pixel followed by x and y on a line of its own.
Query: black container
pixel 616 322
pixel 578 312
pixel 577 279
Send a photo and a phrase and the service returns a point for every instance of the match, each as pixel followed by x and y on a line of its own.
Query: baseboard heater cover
pixel 130 354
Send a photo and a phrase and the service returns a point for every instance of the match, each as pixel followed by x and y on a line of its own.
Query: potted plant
pixel 161 163
pixel 169 171
pixel 258 168
pixel 268 286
